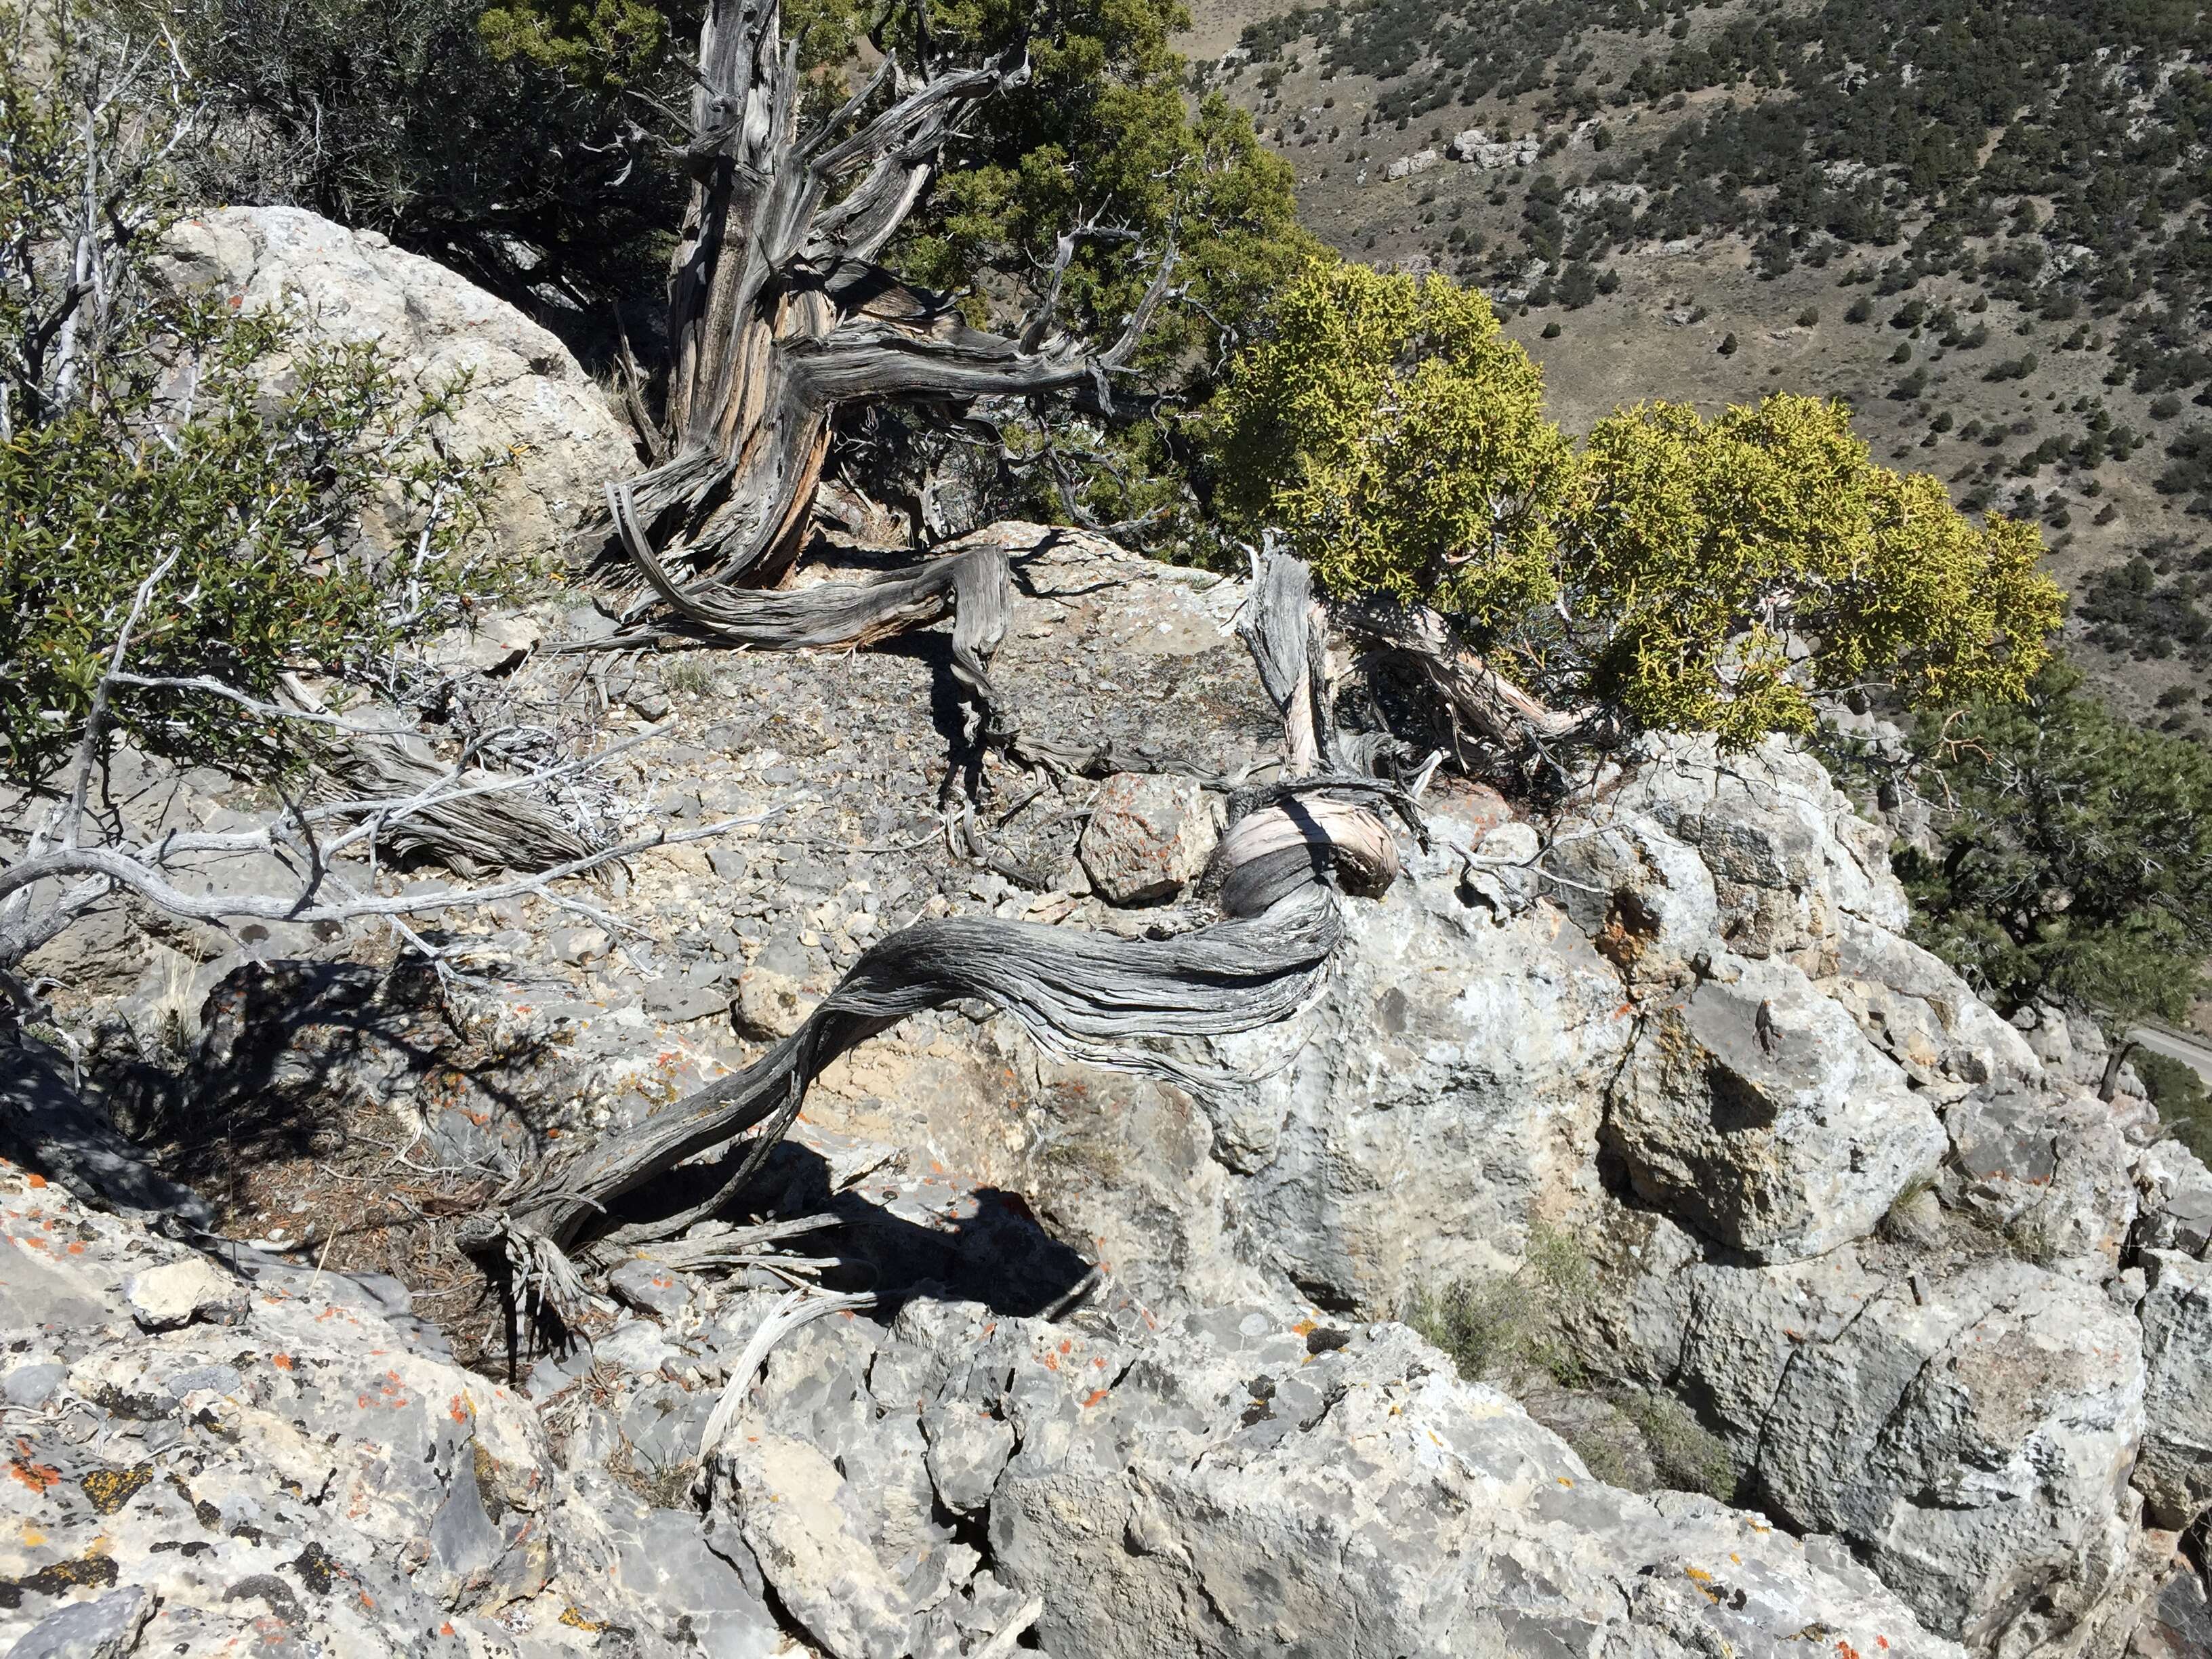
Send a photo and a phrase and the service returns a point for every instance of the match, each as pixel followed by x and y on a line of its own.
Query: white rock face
pixel 1754 1111
pixel 1478 147
pixel 1406 166
pixel 2175 1475
pixel 527 398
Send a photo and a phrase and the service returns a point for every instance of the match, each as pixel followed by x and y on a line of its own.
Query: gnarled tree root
pixel 1114 1002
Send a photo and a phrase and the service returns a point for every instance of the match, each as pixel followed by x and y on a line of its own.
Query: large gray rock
pixel 1249 1480
pixel 2047 1171
pixel 1244 1490
pixel 1920 1014
pixel 1789 857
pixel 2175 1472
pixel 2176 1209
pixel 1969 1429
pixel 527 401
pixel 1753 1110
pixel 107 1628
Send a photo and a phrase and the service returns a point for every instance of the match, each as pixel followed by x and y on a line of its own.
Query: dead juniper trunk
pixel 780 311
pixel 1133 1005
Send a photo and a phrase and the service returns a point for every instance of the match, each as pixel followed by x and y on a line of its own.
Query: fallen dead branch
pixel 1131 1004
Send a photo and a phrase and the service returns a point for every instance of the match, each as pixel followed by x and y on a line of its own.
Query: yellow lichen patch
pixel 577 1618
pixel 109 1489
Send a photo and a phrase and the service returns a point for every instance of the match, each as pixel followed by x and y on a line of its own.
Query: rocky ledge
pixel 1795 1301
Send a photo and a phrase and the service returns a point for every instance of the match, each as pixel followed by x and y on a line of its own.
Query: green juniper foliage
pixel 146 427
pixel 1666 567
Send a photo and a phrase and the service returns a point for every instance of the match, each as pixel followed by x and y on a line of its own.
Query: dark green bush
pixel 171 466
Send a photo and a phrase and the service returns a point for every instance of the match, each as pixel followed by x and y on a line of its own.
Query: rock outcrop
pixel 312 1472
pixel 526 401
pixel 1938 1312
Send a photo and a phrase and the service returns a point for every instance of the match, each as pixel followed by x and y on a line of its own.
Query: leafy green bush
pixel 2073 861
pixel 1398 438
pixel 159 434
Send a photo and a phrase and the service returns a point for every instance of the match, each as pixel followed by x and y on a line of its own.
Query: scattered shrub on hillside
pixel 1503 1327
pixel 1685 1455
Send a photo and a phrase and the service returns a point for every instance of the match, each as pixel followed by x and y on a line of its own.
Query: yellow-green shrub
pixel 1696 574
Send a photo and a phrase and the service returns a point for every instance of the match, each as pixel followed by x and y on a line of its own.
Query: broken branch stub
pixel 1281 625
pixel 1472 689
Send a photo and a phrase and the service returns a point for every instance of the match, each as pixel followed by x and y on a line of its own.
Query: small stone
pixel 105 1629
pixel 650 1287
pixel 772 1000
pixel 647 700
pixel 1149 837
pixel 678 1003
pixel 32 1385
pixel 578 945
pixel 167 1299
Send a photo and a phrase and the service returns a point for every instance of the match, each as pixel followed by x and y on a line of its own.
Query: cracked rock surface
pixel 1873 1265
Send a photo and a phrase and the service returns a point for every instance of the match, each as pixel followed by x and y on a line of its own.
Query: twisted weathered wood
pixel 470 820
pixel 1125 1004
pixel 1476 693
pixel 778 313
pixel 1108 1001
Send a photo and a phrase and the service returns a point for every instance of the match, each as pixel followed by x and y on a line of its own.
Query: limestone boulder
pixel 527 399
pixel 2047 1171
pixel 1754 1111
pixel 2175 1472
pixel 2175 1211
pixel 1248 1486
pixel 1789 856
pixel 1968 1426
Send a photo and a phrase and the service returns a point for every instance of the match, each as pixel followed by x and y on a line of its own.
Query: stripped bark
pixel 780 313
pixel 471 819
pixel 1108 1001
